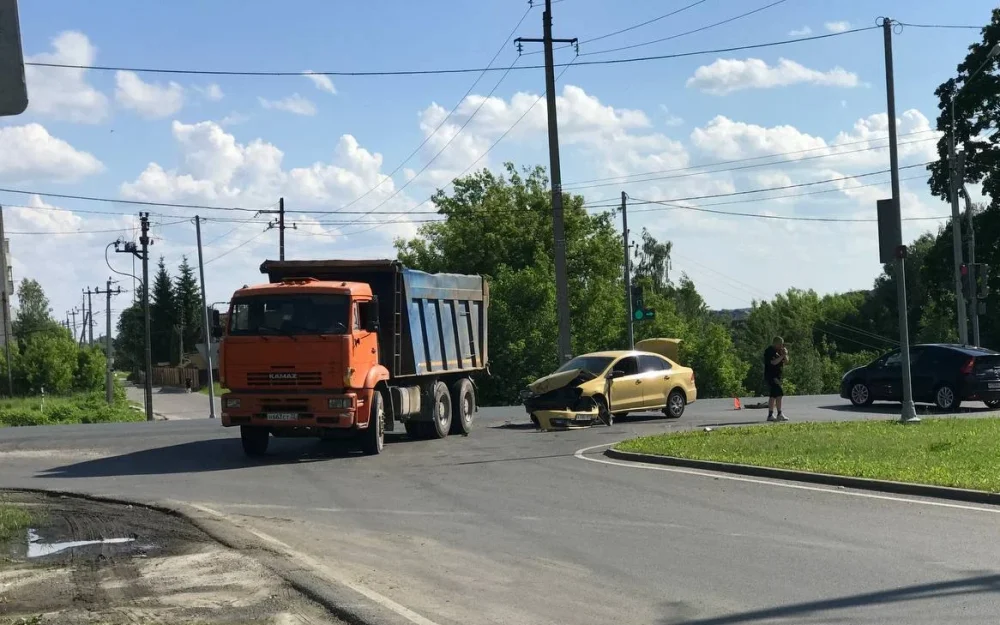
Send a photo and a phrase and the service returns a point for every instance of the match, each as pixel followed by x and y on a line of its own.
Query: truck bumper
pixel 281 411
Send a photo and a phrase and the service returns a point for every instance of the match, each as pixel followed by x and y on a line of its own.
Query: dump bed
pixel 431 324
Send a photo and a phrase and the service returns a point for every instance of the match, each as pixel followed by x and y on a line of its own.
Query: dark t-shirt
pixel 772 371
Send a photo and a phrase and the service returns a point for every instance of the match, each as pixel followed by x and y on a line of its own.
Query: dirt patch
pixel 90 562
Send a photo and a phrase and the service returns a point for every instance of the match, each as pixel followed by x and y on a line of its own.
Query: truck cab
pixel 306 355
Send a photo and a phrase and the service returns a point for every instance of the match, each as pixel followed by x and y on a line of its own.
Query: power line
pixel 449 115
pixel 231 250
pixel 463 70
pixel 105 231
pixel 698 209
pixel 689 32
pixel 646 23
pixel 939 26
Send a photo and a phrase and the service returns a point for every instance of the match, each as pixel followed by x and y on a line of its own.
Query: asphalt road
pixel 510 525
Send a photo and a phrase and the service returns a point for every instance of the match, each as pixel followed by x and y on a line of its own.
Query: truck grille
pixel 285 379
pixel 278 404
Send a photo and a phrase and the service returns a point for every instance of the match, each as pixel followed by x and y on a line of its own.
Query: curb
pixel 341 602
pixel 860 483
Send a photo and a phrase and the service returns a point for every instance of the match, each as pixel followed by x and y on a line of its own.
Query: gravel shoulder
pixel 84 561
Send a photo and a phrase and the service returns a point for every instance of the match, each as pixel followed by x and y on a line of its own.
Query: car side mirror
pixel 617 373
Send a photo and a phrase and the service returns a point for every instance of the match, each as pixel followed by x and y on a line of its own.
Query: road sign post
pixel 13 88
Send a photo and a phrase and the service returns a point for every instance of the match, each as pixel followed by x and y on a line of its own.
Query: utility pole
pixel 279 223
pixel 628 273
pixel 109 381
pixel 909 413
pixel 956 234
pixel 558 224
pixel 206 331
pixel 973 268
pixel 143 254
pixel 73 314
pixel 90 326
pixel 5 303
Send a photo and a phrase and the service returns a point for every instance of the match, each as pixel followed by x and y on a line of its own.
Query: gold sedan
pixel 599 386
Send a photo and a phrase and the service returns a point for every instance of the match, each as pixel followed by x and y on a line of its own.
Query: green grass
pixel 79 408
pixel 13 519
pixel 219 389
pixel 962 453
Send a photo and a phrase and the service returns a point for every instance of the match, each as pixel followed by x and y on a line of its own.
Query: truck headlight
pixel 232 402
pixel 341 403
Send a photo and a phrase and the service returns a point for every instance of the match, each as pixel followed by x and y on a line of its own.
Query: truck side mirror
pixel 370 311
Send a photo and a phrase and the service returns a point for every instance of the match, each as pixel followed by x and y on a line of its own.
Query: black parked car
pixel 944 375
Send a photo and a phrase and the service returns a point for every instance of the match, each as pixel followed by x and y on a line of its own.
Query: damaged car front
pixel 565 399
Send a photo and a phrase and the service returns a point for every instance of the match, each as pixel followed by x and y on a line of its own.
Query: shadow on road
pixel 813 610
pixel 893 409
pixel 218 454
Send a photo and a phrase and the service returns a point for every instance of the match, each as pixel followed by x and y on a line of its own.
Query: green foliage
pixel 163 316
pixel 187 298
pixel 79 408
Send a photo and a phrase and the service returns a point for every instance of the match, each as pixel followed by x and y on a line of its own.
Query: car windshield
pixel 289 314
pixel 591 364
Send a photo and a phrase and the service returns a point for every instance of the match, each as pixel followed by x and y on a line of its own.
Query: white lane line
pixel 736 478
pixel 331 575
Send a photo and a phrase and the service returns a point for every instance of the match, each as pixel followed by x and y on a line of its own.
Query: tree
pixel 652 261
pixel 49 361
pixel 33 312
pixel 162 315
pixel 188 302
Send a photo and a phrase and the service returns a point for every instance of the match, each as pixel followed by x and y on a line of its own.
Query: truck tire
pixel 373 438
pixel 463 400
pixel 441 411
pixel 415 429
pixel 255 440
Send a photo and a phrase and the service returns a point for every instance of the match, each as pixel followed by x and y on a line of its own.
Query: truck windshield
pixel 289 314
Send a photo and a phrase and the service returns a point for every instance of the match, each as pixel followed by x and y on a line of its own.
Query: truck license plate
pixel 282 416
pixel 994 386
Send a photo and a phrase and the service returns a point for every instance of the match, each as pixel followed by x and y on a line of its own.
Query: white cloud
pixel 670 119
pixel 64 93
pixel 212 92
pixel 29 152
pixel 725 76
pixel 805 31
pixel 234 119
pixel 323 83
pixel 150 100
pixel 837 27
pixel 292 104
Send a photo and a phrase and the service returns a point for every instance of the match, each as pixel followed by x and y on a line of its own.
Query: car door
pixel 926 367
pixel 655 373
pixel 881 375
pixel 626 390
pixel 889 377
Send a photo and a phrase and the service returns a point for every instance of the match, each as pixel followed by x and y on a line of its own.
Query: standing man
pixel 775 357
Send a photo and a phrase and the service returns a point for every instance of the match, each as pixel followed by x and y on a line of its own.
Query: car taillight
pixel 967 367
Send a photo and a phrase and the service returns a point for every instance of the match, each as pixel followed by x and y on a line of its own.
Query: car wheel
pixel 373 438
pixel 675 404
pixel 992 403
pixel 255 440
pixel 534 420
pixel 861 395
pixel 946 399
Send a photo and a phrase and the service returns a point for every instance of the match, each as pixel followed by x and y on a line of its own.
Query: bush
pixel 79 408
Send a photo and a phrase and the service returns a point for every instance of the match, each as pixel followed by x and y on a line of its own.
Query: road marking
pixel 324 571
pixel 736 478
pixel 374 511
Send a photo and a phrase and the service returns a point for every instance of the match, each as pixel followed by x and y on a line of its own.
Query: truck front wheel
pixel 441 411
pixel 463 398
pixel 373 438
pixel 255 440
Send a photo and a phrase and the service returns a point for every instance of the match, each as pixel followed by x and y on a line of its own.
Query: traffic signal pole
pixel 628 274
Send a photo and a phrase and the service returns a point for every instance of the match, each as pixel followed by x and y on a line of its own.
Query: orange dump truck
pixel 331 348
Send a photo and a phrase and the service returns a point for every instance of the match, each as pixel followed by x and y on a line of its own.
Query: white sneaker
pixel 781 417
pixel 771 417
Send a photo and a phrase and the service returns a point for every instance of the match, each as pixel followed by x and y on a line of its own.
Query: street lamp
pixel 956 225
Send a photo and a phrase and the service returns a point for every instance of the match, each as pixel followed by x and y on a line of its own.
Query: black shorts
pixel 774 388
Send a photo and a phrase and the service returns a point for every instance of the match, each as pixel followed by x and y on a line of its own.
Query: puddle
pixel 38 549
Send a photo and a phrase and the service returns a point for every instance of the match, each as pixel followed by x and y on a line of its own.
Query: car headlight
pixel 335 403
pixel 526 394
pixel 232 402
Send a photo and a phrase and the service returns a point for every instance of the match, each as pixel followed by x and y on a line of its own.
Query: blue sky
pixel 104 132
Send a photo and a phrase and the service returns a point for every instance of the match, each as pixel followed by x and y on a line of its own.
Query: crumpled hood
pixel 551 382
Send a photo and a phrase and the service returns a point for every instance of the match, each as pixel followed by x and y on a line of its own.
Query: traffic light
pixel 639 310
pixel 966 281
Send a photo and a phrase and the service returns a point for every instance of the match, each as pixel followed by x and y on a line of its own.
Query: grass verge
pixel 961 453
pixel 219 390
pixel 13 519
pixel 80 408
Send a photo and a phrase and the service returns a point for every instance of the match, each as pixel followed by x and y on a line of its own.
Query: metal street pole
pixel 956 234
pixel 628 273
pixel 204 310
pixel 909 413
pixel 973 277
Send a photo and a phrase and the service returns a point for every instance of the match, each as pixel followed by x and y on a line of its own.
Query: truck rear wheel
pixel 463 399
pixel 373 438
pixel 440 411
pixel 255 440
